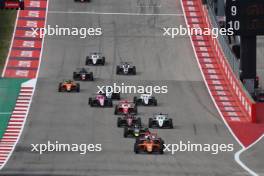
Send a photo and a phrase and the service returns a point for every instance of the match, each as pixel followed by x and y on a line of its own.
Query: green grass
pixel 9 90
pixel 7 23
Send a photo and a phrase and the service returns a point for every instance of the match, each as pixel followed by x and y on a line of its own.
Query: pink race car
pixel 125 107
pixel 100 101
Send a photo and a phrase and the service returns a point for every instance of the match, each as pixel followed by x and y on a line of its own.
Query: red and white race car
pixel 12 4
pixel 125 107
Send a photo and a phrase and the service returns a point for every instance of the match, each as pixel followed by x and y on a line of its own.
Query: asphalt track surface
pixel 253 157
pixel 159 60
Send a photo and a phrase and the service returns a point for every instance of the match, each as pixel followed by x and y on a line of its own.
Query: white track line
pixel 113 13
pixel 237 157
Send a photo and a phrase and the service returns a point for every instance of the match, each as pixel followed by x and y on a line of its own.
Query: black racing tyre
pixel 117 70
pixel 150 123
pixel 119 122
pixel 171 123
pixel 135 100
pixel 116 113
pixel 92 77
pixel 103 60
pixel 136 150
pixel 155 102
pixel 77 87
pixel 125 132
pixel 134 71
pixel 59 87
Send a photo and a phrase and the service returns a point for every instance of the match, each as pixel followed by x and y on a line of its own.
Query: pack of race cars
pixel 127 110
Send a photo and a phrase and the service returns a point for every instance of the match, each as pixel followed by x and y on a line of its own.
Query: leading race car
pixel 95 59
pixel 100 101
pixel 160 121
pixel 126 68
pixel 134 131
pixel 83 74
pixel 12 4
pixel 149 135
pixel 128 121
pixel 150 145
pixel 146 100
pixel 69 86
pixel 125 107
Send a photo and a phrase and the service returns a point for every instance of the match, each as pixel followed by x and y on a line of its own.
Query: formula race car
pixel 160 121
pixel 95 59
pixel 83 74
pixel 125 107
pixel 100 101
pixel 149 135
pixel 109 94
pixel 126 68
pixel 149 145
pixel 69 86
pixel 128 121
pixel 12 4
pixel 146 100
pixel 134 131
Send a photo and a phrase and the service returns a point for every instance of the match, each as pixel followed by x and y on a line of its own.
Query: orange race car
pixel 148 146
pixel 69 86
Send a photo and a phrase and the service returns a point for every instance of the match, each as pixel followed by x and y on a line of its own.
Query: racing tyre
pixel 116 111
pixel 136 150
pixel 59 88
pixel 117 70
pixel 88 61
pixel 90 101
pixel 161 150
pixel 103 60
pixel 125 132
pixel 92 77
pixel 150 123
pixel 135 111
pixel 119 122
pixel 155 102
pixel 171 123
pixel 134 72
pixel 135 100
pixel 78 87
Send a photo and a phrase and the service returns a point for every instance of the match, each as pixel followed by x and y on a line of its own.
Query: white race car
pixel 146 100
pixel 160 121
pixel 95 59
